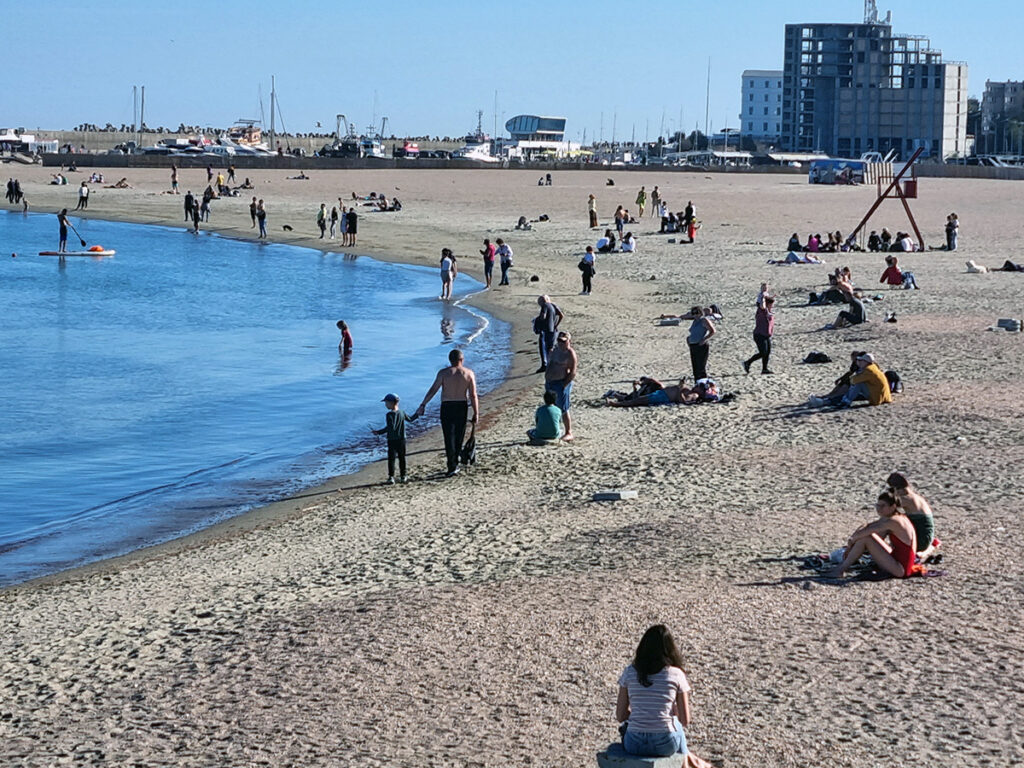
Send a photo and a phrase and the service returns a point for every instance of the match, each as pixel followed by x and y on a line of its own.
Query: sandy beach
pixel 484 620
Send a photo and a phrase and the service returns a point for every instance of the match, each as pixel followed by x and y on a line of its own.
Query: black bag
pixel 468 453
pixel 817 357
pixel 538 324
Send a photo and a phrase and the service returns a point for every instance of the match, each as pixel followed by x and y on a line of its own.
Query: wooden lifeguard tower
pixel 897 185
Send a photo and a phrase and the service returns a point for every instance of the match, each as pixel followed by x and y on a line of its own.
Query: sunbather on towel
pixel 676 393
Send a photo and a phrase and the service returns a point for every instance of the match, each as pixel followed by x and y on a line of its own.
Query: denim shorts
pixel 562 390
pixel 655 744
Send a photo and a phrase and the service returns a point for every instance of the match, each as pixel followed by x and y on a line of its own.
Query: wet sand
pixel 483 621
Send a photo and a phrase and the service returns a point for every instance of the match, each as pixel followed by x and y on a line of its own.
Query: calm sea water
pixel 190 378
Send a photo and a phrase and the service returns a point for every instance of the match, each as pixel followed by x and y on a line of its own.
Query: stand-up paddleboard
pixel 99 253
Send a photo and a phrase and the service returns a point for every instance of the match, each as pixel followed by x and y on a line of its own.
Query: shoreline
pixel 285 509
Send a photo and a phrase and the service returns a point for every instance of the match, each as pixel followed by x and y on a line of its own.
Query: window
pixel 778 111
pixel 938 82
pixel 778 97
pixel 766 126
pixel 766 110
pixel 751 83
pixel 780 84
pixel 766 97
pixel 750 126
pixel 766 84
pixel 751 97
pixel 860 57
pixel 750 110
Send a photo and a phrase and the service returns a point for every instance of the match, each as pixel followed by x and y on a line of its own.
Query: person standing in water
pixel 458 393
pixel 345 345
pixel 62 220
pixel 449 269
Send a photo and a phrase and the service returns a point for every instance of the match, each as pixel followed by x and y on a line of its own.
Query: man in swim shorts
pixel 559 376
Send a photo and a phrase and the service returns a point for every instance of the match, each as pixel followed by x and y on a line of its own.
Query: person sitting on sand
pixel 894 276
pixel 895 558
pixel 794 243
pixel 122 184
pixel 629 243
pixel 547 419
pixel 918 511
pixel 874 242
pixel 606 244
pixel 301 177
pixel 523 223
pixel 653 704
pixel 246 184
pixel 868 383
pixel 813 244
pixel 855 315
pixel 842 384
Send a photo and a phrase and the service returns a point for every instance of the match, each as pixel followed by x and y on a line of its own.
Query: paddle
pixel 76 232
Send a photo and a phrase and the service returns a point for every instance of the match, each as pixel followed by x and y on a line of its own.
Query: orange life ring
pixel 96 248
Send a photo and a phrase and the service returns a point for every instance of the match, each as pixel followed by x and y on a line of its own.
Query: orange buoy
pixel 96 248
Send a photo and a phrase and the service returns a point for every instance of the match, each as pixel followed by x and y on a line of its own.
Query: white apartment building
pixel 761 110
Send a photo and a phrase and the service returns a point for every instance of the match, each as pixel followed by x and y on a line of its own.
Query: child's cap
pixel 390 398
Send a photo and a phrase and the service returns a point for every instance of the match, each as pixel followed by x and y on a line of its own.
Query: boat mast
pixel 272 144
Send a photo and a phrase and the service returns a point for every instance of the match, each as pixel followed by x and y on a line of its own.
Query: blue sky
pixel 429 66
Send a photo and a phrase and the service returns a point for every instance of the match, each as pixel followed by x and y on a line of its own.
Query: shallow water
pixel 190 378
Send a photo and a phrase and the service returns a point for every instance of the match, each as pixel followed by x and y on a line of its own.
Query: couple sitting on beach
pixel 863 381
pixel 906 520
pixel 648 391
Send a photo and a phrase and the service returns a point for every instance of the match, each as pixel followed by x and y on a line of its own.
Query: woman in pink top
pixel 654 699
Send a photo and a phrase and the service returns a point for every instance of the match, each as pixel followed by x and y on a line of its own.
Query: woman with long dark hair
pixel 654 699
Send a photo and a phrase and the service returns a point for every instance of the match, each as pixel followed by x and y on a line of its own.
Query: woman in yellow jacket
pixel 869 383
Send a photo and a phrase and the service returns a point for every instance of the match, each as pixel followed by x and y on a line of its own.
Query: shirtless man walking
pixel 559 376
pixel 458 392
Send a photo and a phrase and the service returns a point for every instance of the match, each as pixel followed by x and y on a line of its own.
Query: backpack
pixel 895 382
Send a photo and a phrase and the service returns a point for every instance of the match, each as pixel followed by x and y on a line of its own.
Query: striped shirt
pixel 651 707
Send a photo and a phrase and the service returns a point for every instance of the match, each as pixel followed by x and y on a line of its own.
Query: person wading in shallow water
pixel 458 393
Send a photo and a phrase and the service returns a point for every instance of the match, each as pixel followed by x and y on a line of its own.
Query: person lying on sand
pixel 122 184
pixel 645 385
pixel 301 177
pixel 676 393
pixel 712 311
pixel 895 557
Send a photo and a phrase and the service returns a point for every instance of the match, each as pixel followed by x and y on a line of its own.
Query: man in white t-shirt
pixel 83 197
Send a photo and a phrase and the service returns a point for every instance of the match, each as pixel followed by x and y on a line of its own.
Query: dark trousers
pixel 545 341
pixel 586 281
pixel 453 426
pixel 851 318
pixel 593 219
pixel 764 351
pixel 396 449
pixel 504 274
pixel 699 358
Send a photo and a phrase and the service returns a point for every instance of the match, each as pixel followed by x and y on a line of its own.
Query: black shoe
pixel 766 372
pixel 746 366
pixel 541 369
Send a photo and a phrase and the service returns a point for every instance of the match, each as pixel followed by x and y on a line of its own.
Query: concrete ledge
pixel 617 757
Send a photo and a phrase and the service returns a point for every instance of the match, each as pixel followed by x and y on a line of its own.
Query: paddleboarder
pixel 62 219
